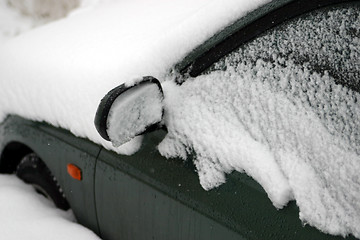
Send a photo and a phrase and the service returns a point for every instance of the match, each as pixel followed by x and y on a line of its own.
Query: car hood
pixel 59 72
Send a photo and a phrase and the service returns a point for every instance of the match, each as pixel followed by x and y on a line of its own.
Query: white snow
pixel 133 111
pixel 12 22
pixel 24 214
pixel 60 71
pixel 18 16
pixel 233 120
pixel 295 131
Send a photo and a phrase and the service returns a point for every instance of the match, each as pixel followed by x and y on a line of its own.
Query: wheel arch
pixel 56 147
pixel 11 155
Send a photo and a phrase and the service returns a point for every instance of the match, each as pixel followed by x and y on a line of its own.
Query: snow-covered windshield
pixel 276 110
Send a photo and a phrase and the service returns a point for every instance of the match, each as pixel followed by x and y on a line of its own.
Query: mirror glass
pixel 134 112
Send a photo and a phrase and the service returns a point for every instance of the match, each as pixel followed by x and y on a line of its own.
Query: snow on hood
pixel 59 72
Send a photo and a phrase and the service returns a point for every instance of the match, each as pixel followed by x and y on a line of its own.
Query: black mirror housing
pixel 128 111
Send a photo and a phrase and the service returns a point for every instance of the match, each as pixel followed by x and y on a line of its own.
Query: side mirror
pixel 128 111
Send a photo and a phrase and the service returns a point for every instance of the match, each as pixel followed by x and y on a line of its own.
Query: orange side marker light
pixel 74 171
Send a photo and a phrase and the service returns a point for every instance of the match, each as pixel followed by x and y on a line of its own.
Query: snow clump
pixel 276 110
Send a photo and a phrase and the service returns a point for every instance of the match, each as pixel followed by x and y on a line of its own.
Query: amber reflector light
pixel 74 171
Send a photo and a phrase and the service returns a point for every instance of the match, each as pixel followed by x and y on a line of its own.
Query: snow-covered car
pixel 226 119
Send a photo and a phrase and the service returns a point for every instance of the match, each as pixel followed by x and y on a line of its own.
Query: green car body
pixel 145 195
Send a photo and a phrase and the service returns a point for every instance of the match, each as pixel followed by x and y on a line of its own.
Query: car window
pixel 325 41
pixel 245 29
pixel 314 59
pixel 284 109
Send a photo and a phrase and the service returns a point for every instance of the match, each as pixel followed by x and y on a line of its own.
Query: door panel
pixel 142 197
pixel 146 196
pixel 131 209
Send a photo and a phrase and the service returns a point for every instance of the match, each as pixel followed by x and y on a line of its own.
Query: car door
pixel 147 196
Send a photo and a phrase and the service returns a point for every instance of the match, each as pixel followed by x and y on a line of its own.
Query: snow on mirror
pixel 126 112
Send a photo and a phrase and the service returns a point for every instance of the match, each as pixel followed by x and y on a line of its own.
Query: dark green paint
pixel 58 147
pixel 145 196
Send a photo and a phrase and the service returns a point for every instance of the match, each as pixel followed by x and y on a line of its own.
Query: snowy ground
pixel 24 214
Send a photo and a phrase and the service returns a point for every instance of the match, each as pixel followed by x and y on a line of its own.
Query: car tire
pixel 33 170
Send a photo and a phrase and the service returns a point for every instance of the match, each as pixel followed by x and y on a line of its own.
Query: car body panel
pixel 153 195
pixel 146 196
pixel 141 211
pixel 58 147
pixel 147 188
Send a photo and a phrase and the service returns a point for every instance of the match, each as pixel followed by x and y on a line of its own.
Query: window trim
pixel 244 30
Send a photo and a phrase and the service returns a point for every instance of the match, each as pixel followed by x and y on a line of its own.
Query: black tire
pixel 32 170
